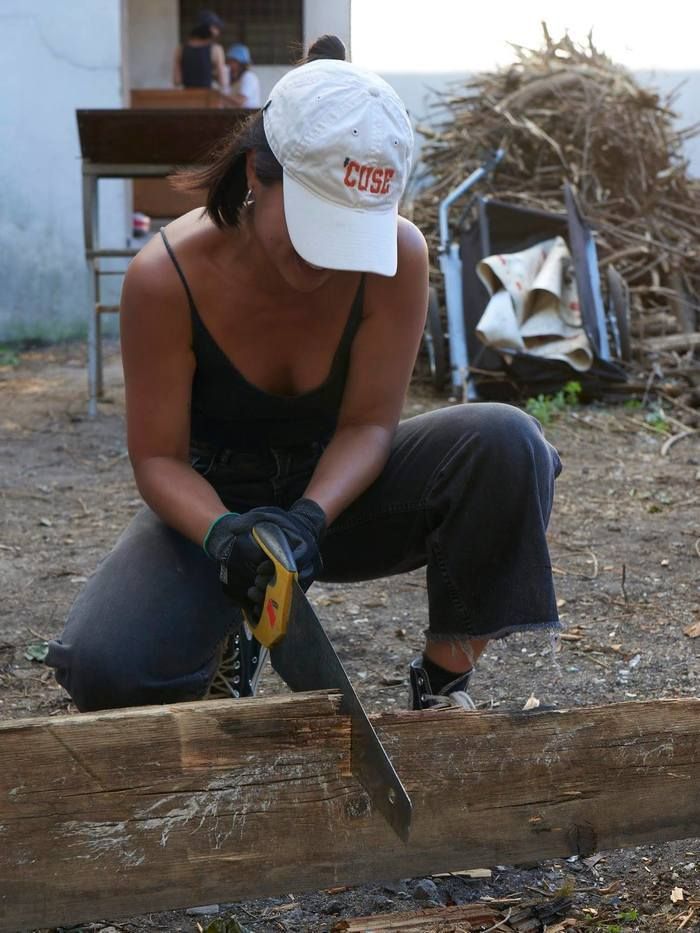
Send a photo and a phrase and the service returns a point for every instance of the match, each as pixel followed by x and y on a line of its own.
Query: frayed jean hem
pixel 460 637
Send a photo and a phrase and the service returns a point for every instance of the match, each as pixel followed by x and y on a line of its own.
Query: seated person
pixel 245 86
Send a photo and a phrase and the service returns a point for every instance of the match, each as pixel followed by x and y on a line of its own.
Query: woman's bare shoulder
pixel 152 272
pixel 412 265
pixel 406 292
pixel 411 241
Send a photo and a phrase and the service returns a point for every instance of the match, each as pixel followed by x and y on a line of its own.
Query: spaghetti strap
pixel 179 271
pixel 354 321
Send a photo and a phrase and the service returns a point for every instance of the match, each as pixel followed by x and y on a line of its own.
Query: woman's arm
pixel 383 356
pixel 249 90
pixel 177 67
pixel 221 71
pixel 158 369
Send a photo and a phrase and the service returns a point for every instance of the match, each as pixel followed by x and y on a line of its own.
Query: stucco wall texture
pixel 59 57
pixel 56 58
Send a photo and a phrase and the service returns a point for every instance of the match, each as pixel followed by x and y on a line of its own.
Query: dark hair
pixel 223 176
pixel 209 18
pixel 328 46
pixel 201 31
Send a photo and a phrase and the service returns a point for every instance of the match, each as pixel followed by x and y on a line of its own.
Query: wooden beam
pixel 132 811
pixel 465 918
pixel 680 342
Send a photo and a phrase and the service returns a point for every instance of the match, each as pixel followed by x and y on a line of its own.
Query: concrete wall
pixel 327 16
pixel 152 36
pixel 56 57
pixel 320 17
pixel 686 106
pixel 418 90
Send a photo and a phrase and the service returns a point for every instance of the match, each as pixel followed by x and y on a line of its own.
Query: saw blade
pixel 306 660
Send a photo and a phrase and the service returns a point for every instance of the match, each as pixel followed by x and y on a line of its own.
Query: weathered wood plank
pixel 119 813
pixel 465 918
pixel 672 342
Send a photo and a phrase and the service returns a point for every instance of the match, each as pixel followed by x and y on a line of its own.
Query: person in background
pixel 200 60
pixel 245 86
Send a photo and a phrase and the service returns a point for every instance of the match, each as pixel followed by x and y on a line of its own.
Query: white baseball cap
pixel 344 140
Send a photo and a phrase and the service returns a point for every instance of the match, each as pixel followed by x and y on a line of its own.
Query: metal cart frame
pixel 465 298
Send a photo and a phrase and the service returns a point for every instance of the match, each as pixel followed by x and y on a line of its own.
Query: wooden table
pixel 127 144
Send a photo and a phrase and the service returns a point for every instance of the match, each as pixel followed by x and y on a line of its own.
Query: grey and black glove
pixel 244 569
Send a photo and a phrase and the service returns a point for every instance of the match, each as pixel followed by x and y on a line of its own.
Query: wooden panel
pixel 465 918
pixel 125 812
pixel 177 98
pixel 157 198
pixel 154 137
pixel 680 342
pixel 154 196
pixel 273 29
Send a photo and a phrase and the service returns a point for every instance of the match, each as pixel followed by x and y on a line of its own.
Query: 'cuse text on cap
pixel 370 178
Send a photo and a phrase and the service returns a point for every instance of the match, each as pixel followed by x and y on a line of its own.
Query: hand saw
pixel 303 656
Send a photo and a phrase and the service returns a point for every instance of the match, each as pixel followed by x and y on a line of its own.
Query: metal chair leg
pixel 94 374
pixel 99 380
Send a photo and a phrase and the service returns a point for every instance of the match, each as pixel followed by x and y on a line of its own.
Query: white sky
pixel 463 35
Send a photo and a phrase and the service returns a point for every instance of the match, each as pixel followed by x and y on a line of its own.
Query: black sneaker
pixel 422 696
pixel 240 666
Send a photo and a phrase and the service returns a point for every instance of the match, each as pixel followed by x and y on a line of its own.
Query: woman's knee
pixel 505 427
pixel 521 463
pixel 92 673
pixel 504 443
pixel 147 618
pixel 87 679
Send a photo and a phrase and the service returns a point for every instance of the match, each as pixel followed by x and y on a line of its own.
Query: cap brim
pixel 335 237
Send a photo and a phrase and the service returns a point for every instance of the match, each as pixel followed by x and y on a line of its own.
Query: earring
pixel 249 198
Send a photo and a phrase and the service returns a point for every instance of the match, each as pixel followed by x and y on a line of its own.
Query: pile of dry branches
pixel 568 113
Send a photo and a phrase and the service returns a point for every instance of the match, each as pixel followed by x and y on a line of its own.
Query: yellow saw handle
pixel 271 627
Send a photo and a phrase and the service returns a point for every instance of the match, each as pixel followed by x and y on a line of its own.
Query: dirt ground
pixel 625 541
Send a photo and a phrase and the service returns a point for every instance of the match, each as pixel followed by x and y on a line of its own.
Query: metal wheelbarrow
pixel 455 353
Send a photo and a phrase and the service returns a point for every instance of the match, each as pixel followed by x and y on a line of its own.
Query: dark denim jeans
pixel 467 492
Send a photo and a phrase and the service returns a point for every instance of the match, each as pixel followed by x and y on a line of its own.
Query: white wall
pixel 320 17
pixel 153 34
pixel 417 90
pixel 415 46
pixel 56 57
pixel 327 16
pixel 686 106
pixel 63 55
pixel 152 37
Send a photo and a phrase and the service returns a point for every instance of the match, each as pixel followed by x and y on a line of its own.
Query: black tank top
pixel 195 65
pixel 230 412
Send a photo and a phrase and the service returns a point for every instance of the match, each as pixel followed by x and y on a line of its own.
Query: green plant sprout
pixel 8 357
pixel 656 419
pixel 546 407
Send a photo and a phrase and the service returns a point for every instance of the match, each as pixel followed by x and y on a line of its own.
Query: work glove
pixel 244 568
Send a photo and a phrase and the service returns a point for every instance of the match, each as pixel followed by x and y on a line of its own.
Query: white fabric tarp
pixel 534 306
